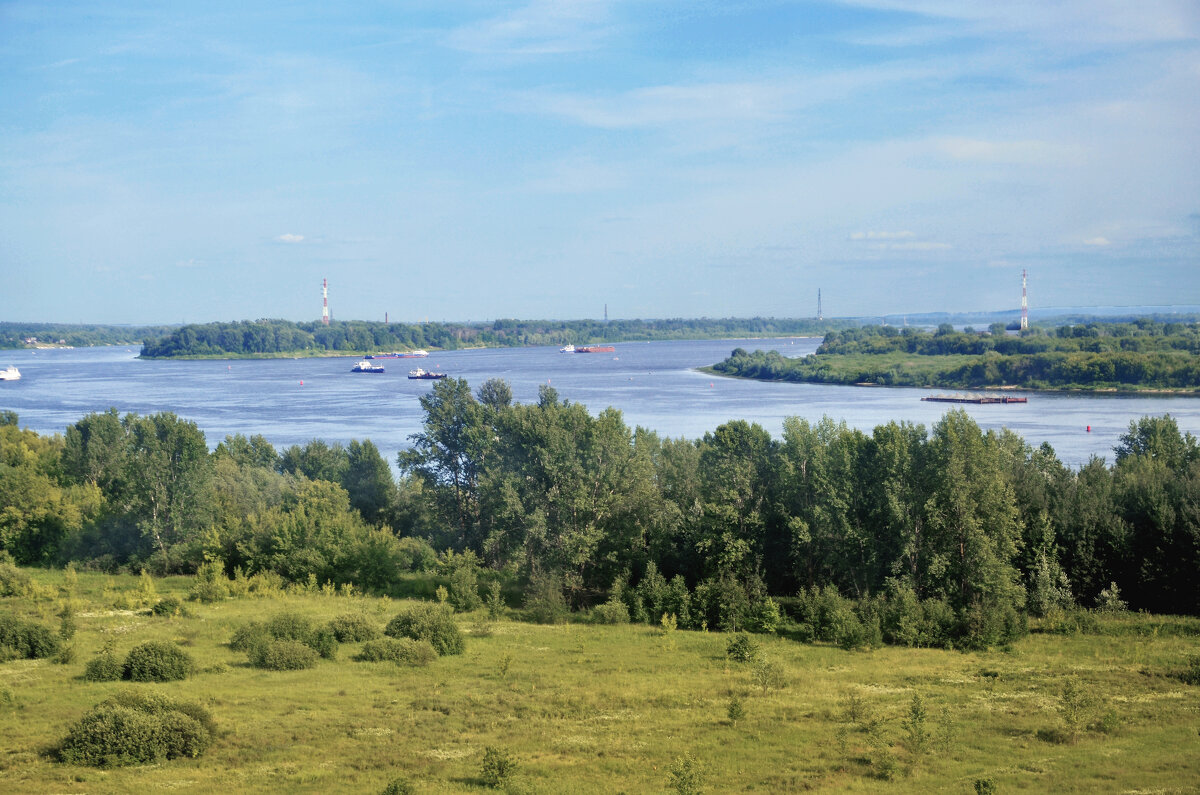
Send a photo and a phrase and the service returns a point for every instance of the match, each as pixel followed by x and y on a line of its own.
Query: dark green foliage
pixel 27 639
pixel 249 635
pixel 399 786
pixel 742 648
pixel 282 655
pixel 353 627
pixel 399 650
pixel 544 601
pixel 158 661
pixel 736 710
pixel 138 728
pixel 169 606
pixel 1190 673
pixel 13 581
pixel 686 775
pixel 498 767
pixel 104 667
pixel 430 622
pixel 985 786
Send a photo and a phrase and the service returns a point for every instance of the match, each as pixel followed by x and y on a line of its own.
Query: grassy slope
pixel 607 709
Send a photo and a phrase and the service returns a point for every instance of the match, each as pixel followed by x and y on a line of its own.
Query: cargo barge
pixel 978 400
pixel 594 349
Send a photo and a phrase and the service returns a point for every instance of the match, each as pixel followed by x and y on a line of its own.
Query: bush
pixel 498 767
pixel 248 636
pixel 613 611
pixel 158 661
pixel 430 622
pixel 544 602
pixel 398 650
pixel 282 655
pixel 687 775
pixel 13 581
pixel 135 728
pixel 769 675
pixel 26 639
pixel 464 588
pixel 353 628
pixel 103 668
pixel 211 584
pixel 1191 672
pixel 168 606
pixel 398 786
pixel 741 648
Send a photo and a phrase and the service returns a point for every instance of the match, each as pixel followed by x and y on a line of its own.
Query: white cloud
pixel 543 27
pixel 985 151
pixel 1097 241
pixel 882 235
pixel 290 238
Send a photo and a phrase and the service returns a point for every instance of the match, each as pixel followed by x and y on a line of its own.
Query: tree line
pixel 266 337
pixel 13 335
pixel 942 534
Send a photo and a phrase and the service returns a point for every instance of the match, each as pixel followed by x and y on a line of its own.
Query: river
pixel 654 384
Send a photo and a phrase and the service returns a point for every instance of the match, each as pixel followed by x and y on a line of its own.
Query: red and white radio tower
pixel 1024 303
pixel 325 301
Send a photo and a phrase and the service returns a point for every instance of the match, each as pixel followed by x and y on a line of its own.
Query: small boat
pixel 567 349
pixel 366 367
pixel 424 375
pixel 595 349
pixel 10 373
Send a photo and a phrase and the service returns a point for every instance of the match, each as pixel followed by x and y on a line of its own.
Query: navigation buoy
pixel 710 384
pixel 1089 429
pixel 301 383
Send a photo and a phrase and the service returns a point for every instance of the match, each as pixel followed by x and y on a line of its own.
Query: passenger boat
pixel 366 367
pixel 10 373
pixel 425 375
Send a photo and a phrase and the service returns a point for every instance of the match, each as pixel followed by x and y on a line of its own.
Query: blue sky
pixel 441 160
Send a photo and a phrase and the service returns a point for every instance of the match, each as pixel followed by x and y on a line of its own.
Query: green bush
pixel 158 661
pixel 353 628
pixel 613 611
pixel 399 650
pixel 248 636
pixel 13 581
pixel 103 668
pixel 544 602
pixel 430 622
pixel 168 606
pixel 254 637
pixel 282 655
pixel 1190 674
pixel 741 648
pixel 398 786
pixel 498 767
pixel 26 639
pixel 134 728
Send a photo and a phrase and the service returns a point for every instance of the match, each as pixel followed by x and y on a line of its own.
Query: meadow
pixel 585 707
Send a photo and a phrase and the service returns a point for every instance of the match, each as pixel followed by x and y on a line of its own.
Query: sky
pixel 466 161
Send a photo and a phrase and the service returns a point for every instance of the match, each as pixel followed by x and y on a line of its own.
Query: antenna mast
pixel 1024 303
pixel 819 304
pixel 325 301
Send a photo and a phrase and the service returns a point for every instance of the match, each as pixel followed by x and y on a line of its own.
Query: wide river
pixel 654 384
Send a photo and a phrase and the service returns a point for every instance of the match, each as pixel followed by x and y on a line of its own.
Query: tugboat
pixel 366 367
pixel 425 375
pixel 567 349
pixel 11 373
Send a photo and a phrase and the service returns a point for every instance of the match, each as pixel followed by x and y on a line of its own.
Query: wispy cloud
pixel 902 235
pixel 902 240
pixel 543 27
pixel 290 238
pixel 1012 152
pixel 1097 241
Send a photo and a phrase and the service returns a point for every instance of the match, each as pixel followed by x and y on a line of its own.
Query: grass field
pixel 590 708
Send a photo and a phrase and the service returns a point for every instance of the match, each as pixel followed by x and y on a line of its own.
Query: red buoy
pixel 1089 429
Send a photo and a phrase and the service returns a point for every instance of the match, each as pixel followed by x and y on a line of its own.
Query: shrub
pixel 282 655
pixel 736 710
pixel 169 606
pixel 399 786
pixel 430 622
pixel 248 636
pixel 1190 674
pixel 763 616
pixel 13 581
pixel 158 661
pixel 613 611
pixel 498 767
pixel 464 588
pixel 687 775
pixel 211 584
pixel 104 667
pixel 769 675
pixel 27 639
pixel 544 602
pixel 399 650
pixel 135 728
pixel 741 648
pixel 353 627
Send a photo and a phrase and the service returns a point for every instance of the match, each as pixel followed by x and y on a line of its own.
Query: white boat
pixel 367 367
pixel 567 349
pixel 10 374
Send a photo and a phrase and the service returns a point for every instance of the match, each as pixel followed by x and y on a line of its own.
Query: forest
pixel 267 337
pixel 906 535
pixel 13 335
pixel 1145 354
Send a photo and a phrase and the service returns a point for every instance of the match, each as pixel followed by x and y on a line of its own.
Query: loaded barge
pixel 978 400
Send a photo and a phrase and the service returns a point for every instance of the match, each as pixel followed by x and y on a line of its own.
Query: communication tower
pixel 819 304
pixel 325 301
pixel 1024 303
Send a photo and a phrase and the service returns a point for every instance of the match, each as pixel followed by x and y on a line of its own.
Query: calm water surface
pixel 655 385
